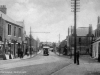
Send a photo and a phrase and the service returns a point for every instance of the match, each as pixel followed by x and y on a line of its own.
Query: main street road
pixel 38 65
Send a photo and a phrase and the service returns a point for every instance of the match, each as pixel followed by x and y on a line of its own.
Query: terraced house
pixel 96 43
pixel 12 33
pixel 84 40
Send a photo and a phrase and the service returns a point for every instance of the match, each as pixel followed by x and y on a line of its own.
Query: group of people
pixel 20 53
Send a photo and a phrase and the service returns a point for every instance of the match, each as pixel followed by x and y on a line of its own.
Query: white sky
pixel 52 16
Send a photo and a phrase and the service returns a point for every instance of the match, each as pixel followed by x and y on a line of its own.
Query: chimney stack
pixel 3 8
pixel 90 29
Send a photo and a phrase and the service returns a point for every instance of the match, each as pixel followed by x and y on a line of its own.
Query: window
pixel 19 32
pixel 14 31
pixel 9 29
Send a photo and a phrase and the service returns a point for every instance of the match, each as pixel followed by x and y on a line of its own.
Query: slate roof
pixel 82 31
pixel 7 18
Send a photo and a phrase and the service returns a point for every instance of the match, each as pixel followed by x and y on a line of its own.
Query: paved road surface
pixel 39 65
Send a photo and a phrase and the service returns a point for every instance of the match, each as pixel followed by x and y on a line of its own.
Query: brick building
pixel 11 32
pixel 83 39
pixel 96 43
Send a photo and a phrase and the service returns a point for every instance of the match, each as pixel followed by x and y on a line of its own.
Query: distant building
pixel 83 39
pixel 96 44
pixel 11 32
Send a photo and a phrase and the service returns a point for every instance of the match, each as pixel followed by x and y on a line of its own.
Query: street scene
pixel 49 37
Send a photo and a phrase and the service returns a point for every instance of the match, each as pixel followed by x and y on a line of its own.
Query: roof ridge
pixel 83 27
pixel 9 19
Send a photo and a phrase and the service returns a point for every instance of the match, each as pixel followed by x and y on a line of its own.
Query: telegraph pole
pixel 59 38
pixel 68 40
pixel 30 41
pixel 71 43
pixel 3 35
pixel 75 2
pixel 75 32
pixel 59 43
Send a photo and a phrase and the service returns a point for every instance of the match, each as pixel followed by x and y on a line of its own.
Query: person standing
pixel 9 50
pixel 26 52
pixel 98 57
pixel 77 57
pixel 21 54
pixel 19 51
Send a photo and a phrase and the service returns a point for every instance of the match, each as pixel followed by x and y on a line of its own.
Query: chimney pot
pixel 3 9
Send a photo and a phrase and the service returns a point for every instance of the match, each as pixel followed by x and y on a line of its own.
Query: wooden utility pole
pixel 30 41
pixel 75 32
pixel 59 38
pixel 59 45
pixel 3 34
pixel 71 43
pixel 75 2
pixel 68 40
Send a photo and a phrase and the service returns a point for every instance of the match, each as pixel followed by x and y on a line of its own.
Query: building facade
pixel 11 33
pixel 96 43
pixel 83 40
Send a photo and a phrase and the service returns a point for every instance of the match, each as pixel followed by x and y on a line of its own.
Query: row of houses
pixel 96 43
pixel 88 40
pixel 84 38
pixel 12 33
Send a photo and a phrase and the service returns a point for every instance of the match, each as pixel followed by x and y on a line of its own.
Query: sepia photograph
pixel 49 37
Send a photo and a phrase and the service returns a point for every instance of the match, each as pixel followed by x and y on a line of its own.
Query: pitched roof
pixel 20 23
pixel 82 31
pixel 7 18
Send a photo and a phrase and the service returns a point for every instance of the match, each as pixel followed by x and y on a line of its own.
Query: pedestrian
pixel 9 50
pixel 98 57
pixel 77 57
pixel 18 52
pixel 87 51
pixel 26 52
pixel 21 54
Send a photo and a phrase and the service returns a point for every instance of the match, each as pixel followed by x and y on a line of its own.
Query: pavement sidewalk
pixel 17 59
pixel 85 68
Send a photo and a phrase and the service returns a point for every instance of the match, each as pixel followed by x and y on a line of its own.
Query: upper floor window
pixel 14 31
pixel 9 29
pixel 19 32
